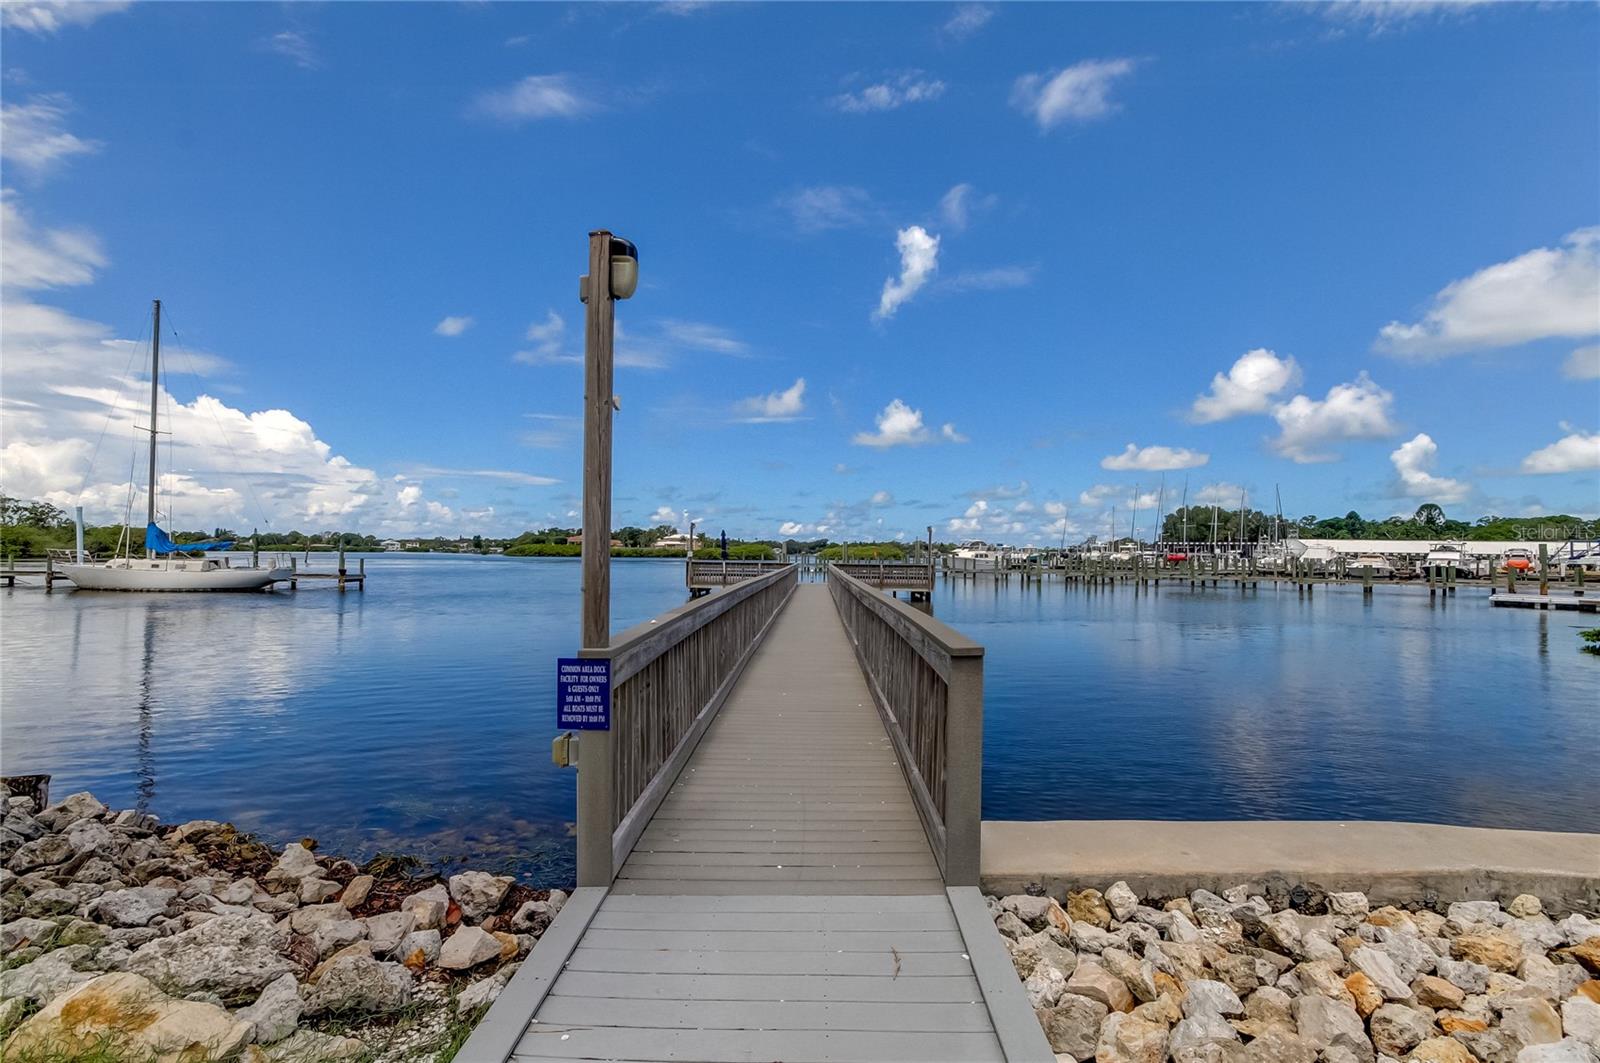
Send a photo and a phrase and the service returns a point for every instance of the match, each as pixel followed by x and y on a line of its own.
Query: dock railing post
pixel 1544 568
pixel 596 795
pixel 963 787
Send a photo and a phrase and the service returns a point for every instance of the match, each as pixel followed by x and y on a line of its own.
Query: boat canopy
pixel 158 542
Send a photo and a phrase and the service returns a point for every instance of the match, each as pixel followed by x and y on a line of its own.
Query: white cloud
pixel 1055 509
pixel 988 280
pixel 1248 387
pixel 948 432
pixel 790 527
pixel 1080 93
pixel 785 405
pixel 1577 451
pixel 453 326
pixel 1413 462
pixel 1154 459
pixel 294 45
pixel 32 136
pixel 549 339
pixel 881 498
pixel 968 19
pixel 1219 494
pixel 1357 410
pixel 664 515
pixel 534 97
pixel 1582 364
pixel 910 87
pixel 898 425
pixel 955 208
pixel 1102 496
pixel 1550 292
pixel 1381 16
pixel 919 258
pixel 43 258
pixel 820 208
pixel 701 336
pixel 556 430
pixel 512 476
pixel 45 17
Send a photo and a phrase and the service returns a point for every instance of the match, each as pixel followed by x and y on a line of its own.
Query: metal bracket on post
pixel 564 750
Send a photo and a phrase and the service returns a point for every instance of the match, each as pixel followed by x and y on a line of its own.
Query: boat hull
pixel 163 580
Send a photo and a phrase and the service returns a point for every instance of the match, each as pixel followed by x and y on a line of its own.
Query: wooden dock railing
pixel 927 680
pixel 669 676
pixel 889 575
pixel 701 574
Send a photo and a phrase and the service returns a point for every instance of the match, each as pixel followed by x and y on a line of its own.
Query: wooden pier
pixel 1535 600
pixel 24 573
pixel 703 576
pixel 778 843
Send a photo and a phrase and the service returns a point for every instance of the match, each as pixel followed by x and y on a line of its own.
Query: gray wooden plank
pixel 713 961
pixel 787 887
pixel 778 858
pixel 500 1030
pixel 610 919
pixel 634 872
pixel 935 904
pixel 768 1015
pixel 1014 1021
pixel 902 941
pixel 755 1046
pixel 758 844
pixel 954 989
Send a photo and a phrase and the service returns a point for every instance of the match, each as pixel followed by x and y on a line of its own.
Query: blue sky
pixel 1026 260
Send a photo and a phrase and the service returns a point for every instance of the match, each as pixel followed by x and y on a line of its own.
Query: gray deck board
pixel 783 903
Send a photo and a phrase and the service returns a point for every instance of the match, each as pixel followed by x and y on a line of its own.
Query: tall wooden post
pixel 596 798
pixel 1544 568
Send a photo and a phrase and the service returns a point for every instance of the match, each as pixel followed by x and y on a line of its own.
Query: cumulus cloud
pixel 913 86
pixel 1550 292
pixel 1249 386
pixel 45 18
pixel 1577 451
pixel 785 405
pixel 820 208
pixel 881 498
pixel 664 514
pixel 1357 410
pixel 1413 463
pixel 791 527
pixel 453 326
pixel 1582 364
pixel 1080 93
pixel 967 20
pixel 535 97
pixel 1154 458
pixel 62 388
pixel 1221 493
pixel 898 425
pixel 948 433
pixel 33 137
pixel 919 258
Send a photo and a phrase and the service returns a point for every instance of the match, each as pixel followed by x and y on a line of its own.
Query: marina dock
pixel 778 847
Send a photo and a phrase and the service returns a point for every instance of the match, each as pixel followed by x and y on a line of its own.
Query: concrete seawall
pixel 1390 862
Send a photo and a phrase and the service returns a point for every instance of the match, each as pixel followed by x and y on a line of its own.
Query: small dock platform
pixel 793 874
pixel 1534 600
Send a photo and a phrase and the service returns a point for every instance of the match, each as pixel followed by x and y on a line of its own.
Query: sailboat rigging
pixel 165 566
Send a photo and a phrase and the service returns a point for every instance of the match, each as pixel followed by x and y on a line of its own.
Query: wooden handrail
pixel 927 681
pixel 669 676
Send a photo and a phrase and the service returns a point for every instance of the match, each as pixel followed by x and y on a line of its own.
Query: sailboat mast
pixel 155 393
pixel 1185 511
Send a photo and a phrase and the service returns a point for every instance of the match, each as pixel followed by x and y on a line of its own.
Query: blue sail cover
pixel 157 542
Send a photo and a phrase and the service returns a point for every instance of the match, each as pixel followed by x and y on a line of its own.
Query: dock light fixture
pixel 624 268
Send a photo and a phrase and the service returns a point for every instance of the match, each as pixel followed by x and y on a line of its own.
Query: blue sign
pixel 583 693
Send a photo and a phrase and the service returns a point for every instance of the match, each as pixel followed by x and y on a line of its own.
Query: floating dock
pixel 1534 600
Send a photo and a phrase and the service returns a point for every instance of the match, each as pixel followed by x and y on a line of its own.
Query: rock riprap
pixel 196 941
pixel 1280 976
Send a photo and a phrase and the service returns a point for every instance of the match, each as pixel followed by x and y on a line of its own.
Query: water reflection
pixel 416 716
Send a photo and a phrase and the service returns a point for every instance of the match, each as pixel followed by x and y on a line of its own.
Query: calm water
pixel 417 716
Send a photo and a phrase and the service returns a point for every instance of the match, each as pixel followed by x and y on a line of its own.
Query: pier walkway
pixel 792 892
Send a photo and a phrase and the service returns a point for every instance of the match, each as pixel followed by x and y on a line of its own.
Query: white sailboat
pixel 163 568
